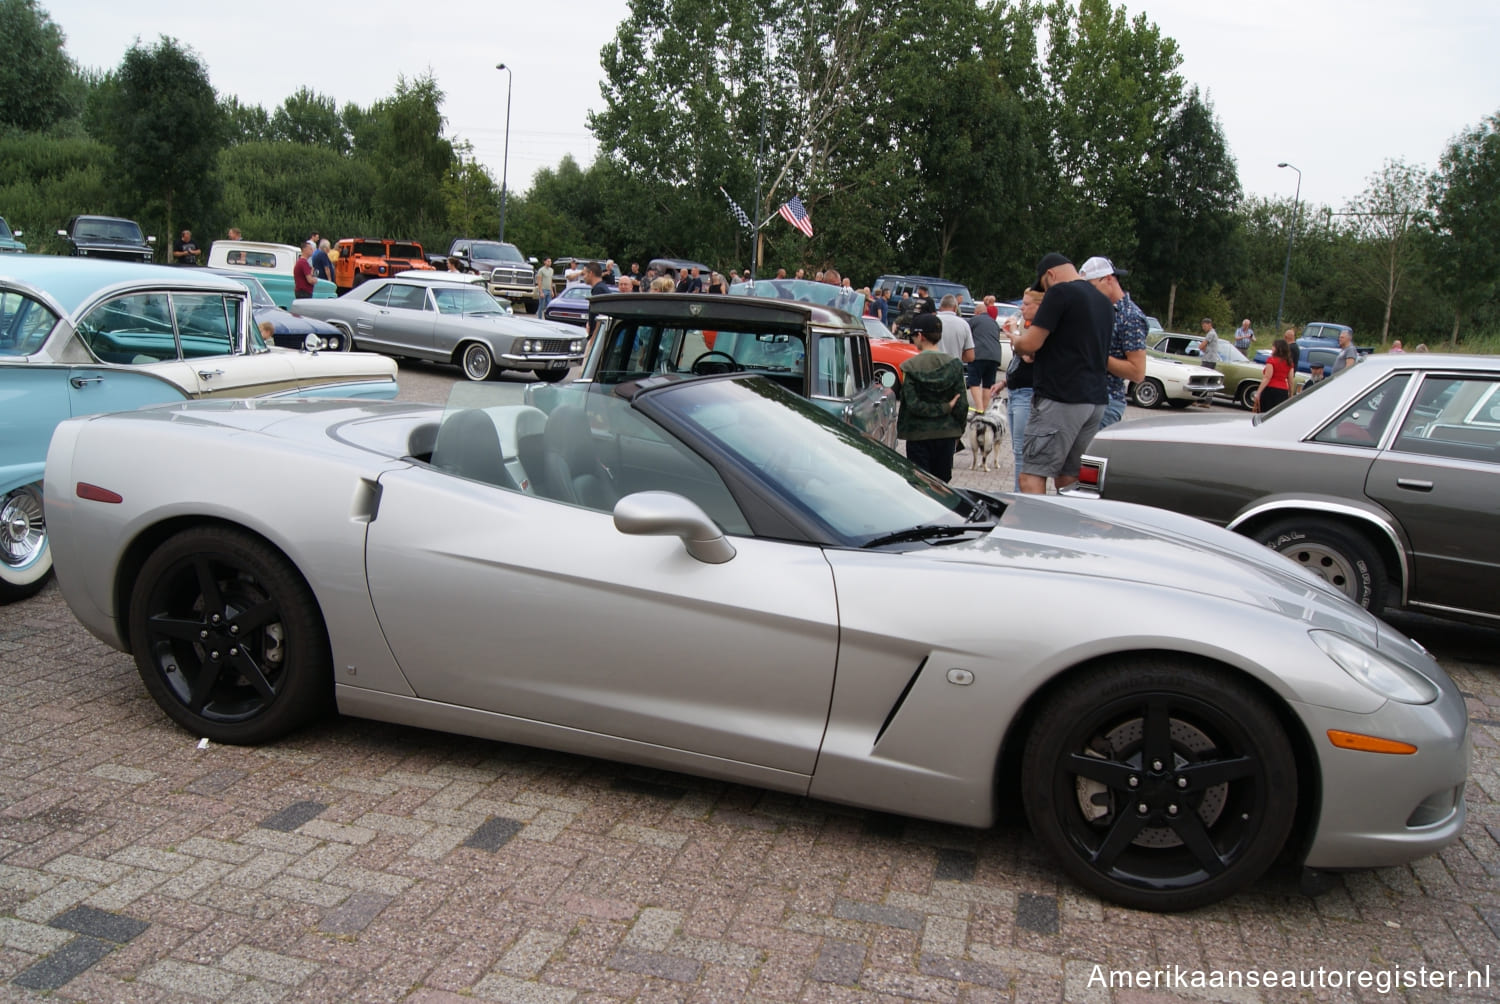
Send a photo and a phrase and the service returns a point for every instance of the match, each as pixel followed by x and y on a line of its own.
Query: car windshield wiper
pixel 930 531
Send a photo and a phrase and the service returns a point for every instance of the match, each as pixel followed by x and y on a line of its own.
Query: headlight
pixel 575 346
pixel 1384 676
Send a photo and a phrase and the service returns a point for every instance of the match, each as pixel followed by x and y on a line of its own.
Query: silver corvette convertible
pixel 713 575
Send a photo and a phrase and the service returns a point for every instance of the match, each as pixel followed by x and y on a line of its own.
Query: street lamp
pixel 505 161
pixel 1286 271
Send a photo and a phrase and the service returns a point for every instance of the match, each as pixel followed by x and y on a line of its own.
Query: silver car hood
pixel 1157 549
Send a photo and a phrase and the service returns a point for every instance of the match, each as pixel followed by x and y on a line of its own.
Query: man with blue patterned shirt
pixel 1127 344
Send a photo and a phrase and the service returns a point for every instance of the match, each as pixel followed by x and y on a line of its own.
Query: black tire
pixel 1195 748
pixel 1245 393
pixel 551 376
pixel 25 548
pixel 476 362
pixel 1178 403
pixel 1149 393
pixel 1338 555
pixel 228 638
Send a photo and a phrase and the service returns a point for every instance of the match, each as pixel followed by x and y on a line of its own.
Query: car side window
pixel 206 323
pixel 131 330
pixel 407 297
pixel 838 374
pixel 24 324
pixel 1456 417
pixel 1364 422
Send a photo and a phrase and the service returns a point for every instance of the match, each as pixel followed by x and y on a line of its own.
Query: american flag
pixel 795 213
pixel 739 214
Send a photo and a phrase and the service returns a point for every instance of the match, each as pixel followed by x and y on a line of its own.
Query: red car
pixel 887 351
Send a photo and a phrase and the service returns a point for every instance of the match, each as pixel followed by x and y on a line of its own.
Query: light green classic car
pixel 1241 374
pixel 8 242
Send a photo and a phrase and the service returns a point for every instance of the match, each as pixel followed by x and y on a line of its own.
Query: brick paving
pixel 358 861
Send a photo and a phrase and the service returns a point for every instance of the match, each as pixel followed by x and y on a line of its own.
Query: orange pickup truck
pixel 362 258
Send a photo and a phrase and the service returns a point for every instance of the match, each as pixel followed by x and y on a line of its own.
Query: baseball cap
pixel 1050 261
pixel 927 324
pixel 1097 268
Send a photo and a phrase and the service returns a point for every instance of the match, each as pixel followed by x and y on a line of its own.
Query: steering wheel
pixel 705 366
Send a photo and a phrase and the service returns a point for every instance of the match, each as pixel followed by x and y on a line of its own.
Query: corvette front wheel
pixel 228 638
pixel 1160 784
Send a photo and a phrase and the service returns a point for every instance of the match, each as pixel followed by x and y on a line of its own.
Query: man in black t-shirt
pixel 185 250
pixel 1070 338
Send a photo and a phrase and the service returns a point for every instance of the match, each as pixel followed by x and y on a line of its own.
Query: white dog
pixel 985 434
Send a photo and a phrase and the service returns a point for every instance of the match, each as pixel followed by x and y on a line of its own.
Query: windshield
pixel 854 487
pixel 464 300
pixel 259 298
pixel 5 233
pixel 805 291
pixel 108 230
pixel 494 251
pixel 641 349
pixel 407 251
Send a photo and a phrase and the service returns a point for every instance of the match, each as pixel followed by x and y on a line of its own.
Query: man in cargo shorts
pixel 1070 338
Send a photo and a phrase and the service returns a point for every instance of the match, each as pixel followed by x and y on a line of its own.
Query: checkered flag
pixel 739 214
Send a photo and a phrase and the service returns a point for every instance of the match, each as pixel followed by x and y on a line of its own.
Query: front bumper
pixel 1379 809
pixel 539 363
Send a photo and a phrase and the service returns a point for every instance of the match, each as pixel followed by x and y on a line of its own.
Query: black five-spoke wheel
pixel 227 637
pixel 1162 786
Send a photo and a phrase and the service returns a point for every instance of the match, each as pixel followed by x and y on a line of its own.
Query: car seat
pixel 469 446
pixel 570 468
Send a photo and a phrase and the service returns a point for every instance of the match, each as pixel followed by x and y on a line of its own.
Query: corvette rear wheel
pixel 25 557
pixel 1161 785
pixel 477 362
pixel 228 638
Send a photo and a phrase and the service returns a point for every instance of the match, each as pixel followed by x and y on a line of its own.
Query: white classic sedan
pixel 1177 384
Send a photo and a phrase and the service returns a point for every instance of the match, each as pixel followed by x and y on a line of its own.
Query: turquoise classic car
pixel 8 242
pixel 81 336
pixel 271 264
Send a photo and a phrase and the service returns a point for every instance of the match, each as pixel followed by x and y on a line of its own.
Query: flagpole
pixel 760 151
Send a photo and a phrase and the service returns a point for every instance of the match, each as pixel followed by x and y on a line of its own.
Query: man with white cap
pixel 1127 345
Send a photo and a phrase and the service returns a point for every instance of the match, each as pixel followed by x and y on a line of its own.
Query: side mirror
pixel 150 240
pixel 62 233
pixel 532 259
pixel 312 343
pixel 19 233
pixel 669 514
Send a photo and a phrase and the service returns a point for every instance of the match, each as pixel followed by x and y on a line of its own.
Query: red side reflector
pixel 1088 474
pixel 96 494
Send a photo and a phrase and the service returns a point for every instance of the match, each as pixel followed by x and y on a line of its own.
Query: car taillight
pixel 1091 474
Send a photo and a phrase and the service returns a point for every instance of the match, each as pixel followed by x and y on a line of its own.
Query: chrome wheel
pixel 25 558
pixel 477 361
pixel 1149 393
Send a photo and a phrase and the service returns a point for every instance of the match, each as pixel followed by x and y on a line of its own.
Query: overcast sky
pixel 1335 87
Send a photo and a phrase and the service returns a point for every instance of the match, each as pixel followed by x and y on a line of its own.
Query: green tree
pixel 1466 219
pixel 1187 219
pixel 37 78
pixel 244 123
pixel 311 118
pixel 403 138
pixel 470 195
pixel 164 123
pixel 1113 86
pixel 1385 218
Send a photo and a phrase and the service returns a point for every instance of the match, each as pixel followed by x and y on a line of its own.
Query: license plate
pixel 557 364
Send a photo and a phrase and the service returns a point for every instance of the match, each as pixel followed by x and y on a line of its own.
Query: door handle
pixel 1414 484
pixel 210 374
pixel 80 381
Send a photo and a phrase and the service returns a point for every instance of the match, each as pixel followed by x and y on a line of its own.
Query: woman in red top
pixel 1275 379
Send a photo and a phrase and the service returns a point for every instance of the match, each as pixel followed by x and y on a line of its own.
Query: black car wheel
pixel 228 638
pixel 1161 784
pixel 551 376
pixel 1245 395
pixel 25 555
pixel 1337 555
pixel 1148 393
pixel 477 362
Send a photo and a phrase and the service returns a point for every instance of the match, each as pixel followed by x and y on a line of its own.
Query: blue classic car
pixel 82 336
